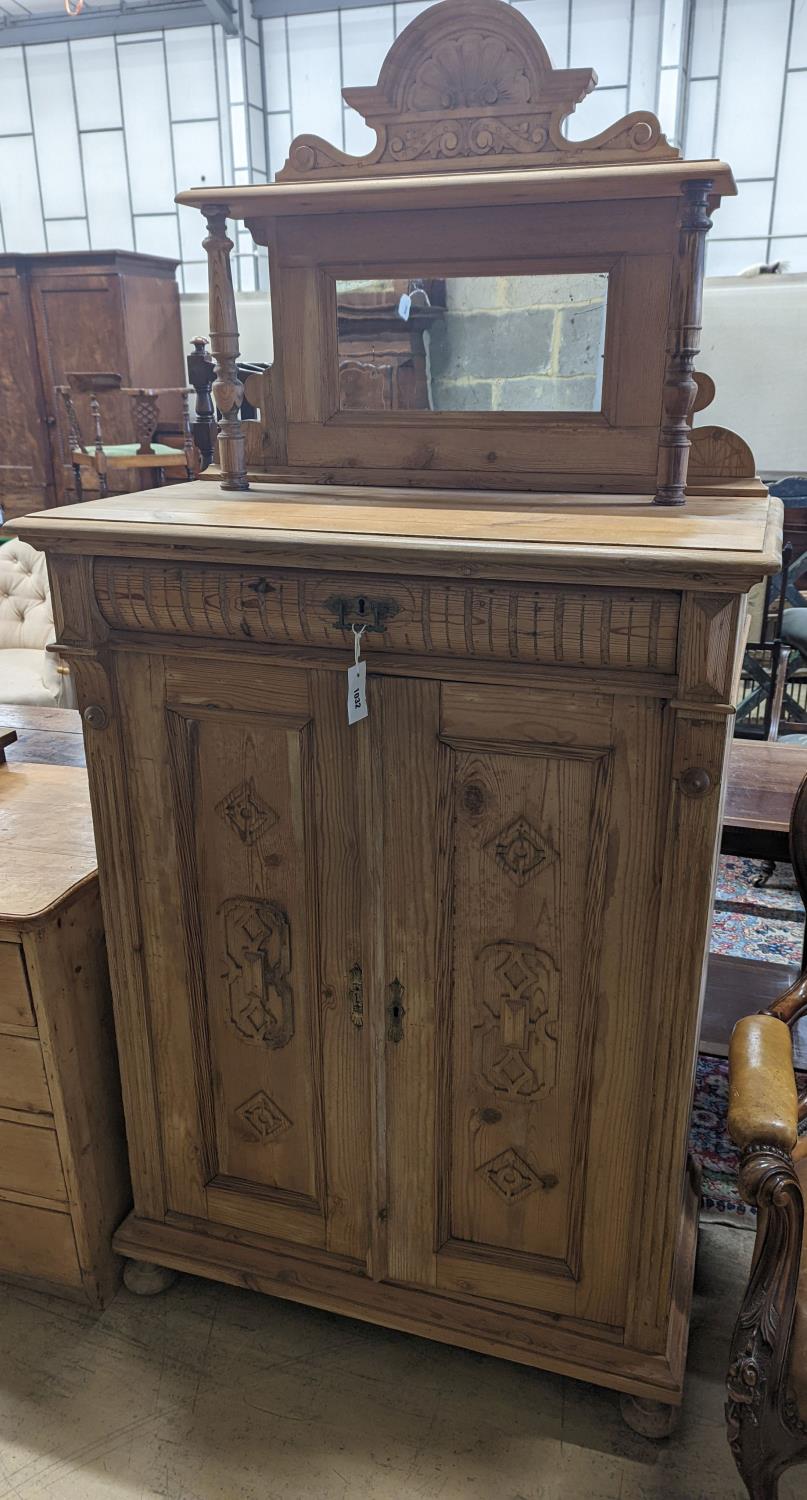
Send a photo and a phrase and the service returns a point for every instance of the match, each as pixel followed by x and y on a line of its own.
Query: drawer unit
pixel 15 997
pixel 38 1243
pixel 23 1084
pixel 30 1161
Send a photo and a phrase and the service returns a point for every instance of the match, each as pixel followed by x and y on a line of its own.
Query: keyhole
pixel 362 605
pixel 396 1012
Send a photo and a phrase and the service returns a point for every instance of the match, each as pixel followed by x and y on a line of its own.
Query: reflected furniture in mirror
pixel 408 1008
pixel 152 459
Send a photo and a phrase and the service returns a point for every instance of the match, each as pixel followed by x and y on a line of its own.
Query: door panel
pixel 246 1015
pixel 501 1188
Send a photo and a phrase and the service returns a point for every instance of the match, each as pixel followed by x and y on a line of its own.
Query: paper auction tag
pixel 357 682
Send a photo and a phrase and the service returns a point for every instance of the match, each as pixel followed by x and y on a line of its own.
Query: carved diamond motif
pixel 510 1175
pixel 520 851
pixel 245 810
pixel 263 1116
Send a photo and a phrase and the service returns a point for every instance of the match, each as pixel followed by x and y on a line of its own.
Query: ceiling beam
pixel 63 28
pixel 265 10
pixel 223 15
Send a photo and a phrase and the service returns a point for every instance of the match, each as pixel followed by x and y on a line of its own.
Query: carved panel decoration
pixel 263 1117
pixel 258 947
pixel 516 1020
pixel 512 1177
pixel 469 83
pixel 520 851
pixel 245 811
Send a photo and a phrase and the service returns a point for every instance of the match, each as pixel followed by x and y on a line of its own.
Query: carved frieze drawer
pixel 541 623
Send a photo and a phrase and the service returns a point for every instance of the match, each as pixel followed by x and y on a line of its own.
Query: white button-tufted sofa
pixel 28 673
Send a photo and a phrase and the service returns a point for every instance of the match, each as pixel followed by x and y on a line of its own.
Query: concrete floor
pixel 208 1393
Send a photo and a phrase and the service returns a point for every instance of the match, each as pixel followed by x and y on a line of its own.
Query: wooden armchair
pixel 766 1409
pixel 153 458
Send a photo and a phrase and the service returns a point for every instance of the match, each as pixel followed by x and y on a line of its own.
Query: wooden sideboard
pixel 408 1007
pixel 78 310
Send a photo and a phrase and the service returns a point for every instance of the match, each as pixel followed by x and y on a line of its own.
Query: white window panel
pixel 106 183
pixel 798 39
pixel 601 39
pixel 359 138
pixel 238 125
pixel 20 208
pixel 55 131
pixel 793 250
pixel 729 257
pixel 192 231
pixel 669 85
pixel 148 129
pixel 246 273
pixel 95 73
pixel 15 116
pixel 790 212
pixel 700 120
pixel 140 36
pixel 191 72
pixel 241 177
pixel 746 215
pixel 707 28
pixel 404 13
pixel 601 109
pixel 315 77
pixel 275 64
pixel 195 279
pixel 157 234
pixel 644 55
pixel 197 154
pixel 2 240
pixel 672 26
pixel 551 20
pixel 235 69
pixel 221 96
pixel 254 76
pixel 67 234
pixel 367 35
pixel 748 112
pixel 257 140
pixel 279 127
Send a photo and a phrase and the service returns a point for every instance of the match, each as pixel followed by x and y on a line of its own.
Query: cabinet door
pixel 241 790
pixel 520 872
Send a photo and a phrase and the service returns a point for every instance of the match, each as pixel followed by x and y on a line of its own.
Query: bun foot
pixel 147 1280
pixel 651 1419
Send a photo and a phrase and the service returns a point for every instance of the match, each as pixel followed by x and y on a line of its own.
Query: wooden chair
pixel 766 1409
pixel 143 454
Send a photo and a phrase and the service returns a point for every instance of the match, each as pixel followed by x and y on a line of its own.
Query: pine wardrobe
pixel 407 1007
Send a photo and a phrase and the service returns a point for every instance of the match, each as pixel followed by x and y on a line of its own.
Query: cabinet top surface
pixel 731 534
pixel 46 835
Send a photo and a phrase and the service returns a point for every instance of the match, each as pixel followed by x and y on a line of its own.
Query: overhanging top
pixel 463 189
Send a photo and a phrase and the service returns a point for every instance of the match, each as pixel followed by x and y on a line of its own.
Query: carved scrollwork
pixel 469 83
pixel 762 1419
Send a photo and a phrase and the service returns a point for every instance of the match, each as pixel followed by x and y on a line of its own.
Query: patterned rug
pixel 765 923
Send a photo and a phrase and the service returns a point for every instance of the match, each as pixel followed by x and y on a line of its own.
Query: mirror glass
pixel 472 343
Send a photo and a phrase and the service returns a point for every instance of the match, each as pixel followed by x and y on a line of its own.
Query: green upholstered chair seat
pixel 128 450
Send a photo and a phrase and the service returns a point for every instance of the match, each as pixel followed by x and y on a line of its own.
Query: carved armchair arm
pixel 763 1103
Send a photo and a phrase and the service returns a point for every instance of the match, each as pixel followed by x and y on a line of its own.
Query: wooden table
pixel 49 736
pixel 764 777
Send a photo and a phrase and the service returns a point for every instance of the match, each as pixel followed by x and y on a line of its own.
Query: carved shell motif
pixel 470 72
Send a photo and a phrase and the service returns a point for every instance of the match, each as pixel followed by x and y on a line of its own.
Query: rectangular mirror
pixel 472 343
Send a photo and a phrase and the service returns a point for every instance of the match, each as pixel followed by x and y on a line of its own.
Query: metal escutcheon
pixel 395 1012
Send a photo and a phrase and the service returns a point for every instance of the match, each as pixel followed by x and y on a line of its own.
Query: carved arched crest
pixel 467 85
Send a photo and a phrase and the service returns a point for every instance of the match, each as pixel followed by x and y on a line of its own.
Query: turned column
pixel 680 387
pixel 228 392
